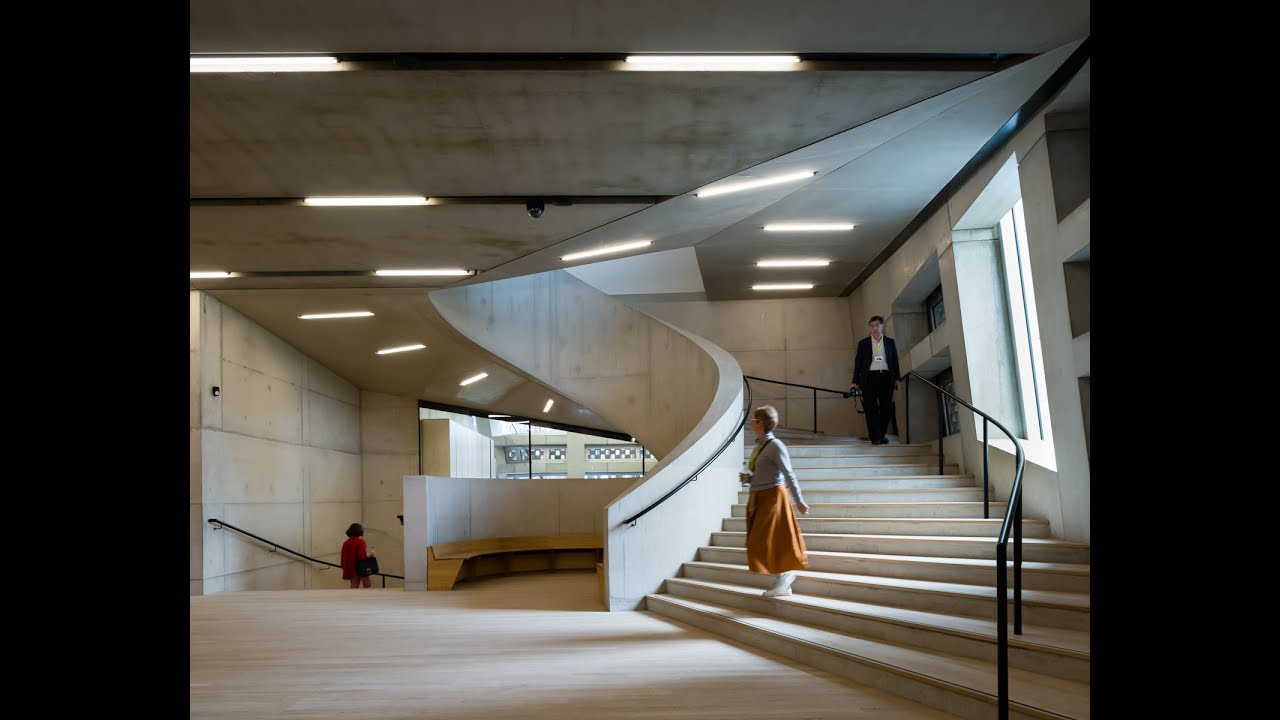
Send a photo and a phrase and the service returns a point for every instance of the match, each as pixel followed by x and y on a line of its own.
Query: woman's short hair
pixel 356 530
pixel 768 417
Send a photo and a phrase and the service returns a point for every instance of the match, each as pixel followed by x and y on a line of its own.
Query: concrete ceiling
pixel 625 148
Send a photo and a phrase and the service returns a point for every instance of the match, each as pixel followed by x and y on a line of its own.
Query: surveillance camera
pixel 535 207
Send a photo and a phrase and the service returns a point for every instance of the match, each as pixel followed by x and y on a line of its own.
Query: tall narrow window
pixel 1026 330
pixel 934 309
pixel 947 381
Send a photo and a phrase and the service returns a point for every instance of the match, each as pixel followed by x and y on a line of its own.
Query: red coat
pixel 353 549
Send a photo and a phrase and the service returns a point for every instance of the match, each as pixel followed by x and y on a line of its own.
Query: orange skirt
pixel 774 543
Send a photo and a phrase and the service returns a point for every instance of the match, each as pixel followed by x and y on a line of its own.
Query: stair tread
pixel 1049 598
pixel 882 477
pixel 1047 542
pixel 970 488
pixel 1027 566
pixel 1046 693
pixel 969 503
pixel 1049 639
pixel 996 521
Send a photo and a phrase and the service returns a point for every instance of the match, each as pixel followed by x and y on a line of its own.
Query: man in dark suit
pixel 875 372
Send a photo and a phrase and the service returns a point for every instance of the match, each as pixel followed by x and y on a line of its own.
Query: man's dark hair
pixel 875 318
pixel 356 530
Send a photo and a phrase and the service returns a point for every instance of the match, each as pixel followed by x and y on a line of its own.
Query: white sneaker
pixel 782 586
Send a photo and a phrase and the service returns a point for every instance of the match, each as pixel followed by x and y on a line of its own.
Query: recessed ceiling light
pixel 425 271
pixel 547 407
pixel 265 63
pixel 608 249
pixel 388 351
pixel 218 274
pixel 712 62
pixel 751 184
pixel 365 201
pixel 808 227
pixel 792 263
pixel 474 378
pixel 499 416
pixel 327 316
pixel 783 286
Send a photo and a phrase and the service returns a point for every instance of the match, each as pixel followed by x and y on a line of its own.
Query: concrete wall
pixel 276 453
pixel 1050 175
pixel 805 341
pixel 389 438
pixel 450 449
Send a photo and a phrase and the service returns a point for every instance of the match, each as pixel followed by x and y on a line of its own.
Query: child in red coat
pixel 354 549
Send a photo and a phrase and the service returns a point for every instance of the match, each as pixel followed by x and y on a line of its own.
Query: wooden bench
pixel 448 563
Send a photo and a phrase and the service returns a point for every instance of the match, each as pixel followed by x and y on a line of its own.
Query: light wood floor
pixel 530 646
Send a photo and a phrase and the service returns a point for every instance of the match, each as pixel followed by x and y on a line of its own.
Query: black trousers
pixel 877 401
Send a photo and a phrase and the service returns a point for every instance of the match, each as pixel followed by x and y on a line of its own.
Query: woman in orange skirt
pixel 774 543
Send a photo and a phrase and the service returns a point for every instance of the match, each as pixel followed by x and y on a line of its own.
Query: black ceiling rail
pixel 1012 522
pixel 220 524
pixel 732 436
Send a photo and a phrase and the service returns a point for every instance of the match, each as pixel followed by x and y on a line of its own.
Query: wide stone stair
pixel 900 589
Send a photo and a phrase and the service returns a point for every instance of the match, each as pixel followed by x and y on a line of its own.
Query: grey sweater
pixel 773 468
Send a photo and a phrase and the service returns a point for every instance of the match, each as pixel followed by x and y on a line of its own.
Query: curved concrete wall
pixel 677 394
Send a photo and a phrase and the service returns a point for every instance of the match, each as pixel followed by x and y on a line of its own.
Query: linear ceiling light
pixel 425 271
pixel 474 378
pixel 712 62
pixel 608 249
pixel 217 274
pixel 499 416
pixel 547 407
pixel 388 351
pixel 808 227
pixel 366 201
pixel 792 263
pixel 751 184
pixel 265 63
pixel 327 316
pixel 783 286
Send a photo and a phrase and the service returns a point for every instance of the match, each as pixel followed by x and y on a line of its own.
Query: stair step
pixel 1050 651
pixel 891 509
pixel 958 685
pixel 892 482
pixel 1066 577
pixel 892 494
pixel 857 471
pixel 1039 607
pixel 863 450
pixel 1033 549
pixel 976 527
pixel 827 461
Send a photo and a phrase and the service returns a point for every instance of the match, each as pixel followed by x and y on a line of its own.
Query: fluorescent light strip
pixel 609 249
pixel 547 407
pixel 751 184
pixel 218 274
pixel 792 263
pixel 808 227
pixel 474 378
pixel 408 273
pixel 783 286
pixel 712 62
pixel 388 351
pixel 265 63
pixel 327 316
pixel 366 201
pixel 499 416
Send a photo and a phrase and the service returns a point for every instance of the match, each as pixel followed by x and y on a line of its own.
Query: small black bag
pixel 367 566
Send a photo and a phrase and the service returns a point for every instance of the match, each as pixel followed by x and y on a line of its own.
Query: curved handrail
pixel 295 552
pixel 732 436
pixel 1012 521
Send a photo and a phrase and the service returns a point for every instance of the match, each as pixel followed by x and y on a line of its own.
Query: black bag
pixel 367 566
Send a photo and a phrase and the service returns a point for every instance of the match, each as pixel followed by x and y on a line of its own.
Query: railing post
pixel 986 473
pixel 815 411
pixel 384 582
pixel 529 426
pixel 1017 567
pixel 1002 631
pixel 942 428
pixel 906 400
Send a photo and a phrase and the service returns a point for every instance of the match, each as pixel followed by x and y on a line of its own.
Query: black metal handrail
pixel 842 393
pixel 1012 521
pixel 732 436
pixel 221 524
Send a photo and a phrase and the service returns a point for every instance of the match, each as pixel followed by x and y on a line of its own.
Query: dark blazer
pixel 862 360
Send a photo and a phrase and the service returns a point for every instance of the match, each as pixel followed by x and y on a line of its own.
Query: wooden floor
pixel 525 646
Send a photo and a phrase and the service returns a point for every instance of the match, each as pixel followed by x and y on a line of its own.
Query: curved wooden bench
pixel 448 563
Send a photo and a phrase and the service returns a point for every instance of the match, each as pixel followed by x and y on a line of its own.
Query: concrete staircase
pixel 900 590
